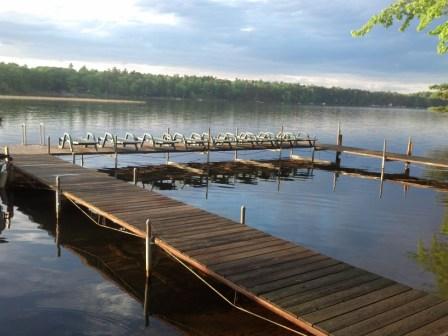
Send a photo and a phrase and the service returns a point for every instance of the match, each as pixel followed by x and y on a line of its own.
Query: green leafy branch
pixel 405 11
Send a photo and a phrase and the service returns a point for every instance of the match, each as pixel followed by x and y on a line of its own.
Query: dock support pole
pixel 82 160
pixel 116 153
pixel 408 153
pixel 236 145
pixel 24 139
pixel 339 143
pixel 58 197
pixel 208 146
pixel 148 248
pixel 383 160
pixel 243 215
pixel 9 167
pixel 168 151
pixel 73 158
pixel 134 176
pixel 281 144
pixel 42 134
pixel 48 145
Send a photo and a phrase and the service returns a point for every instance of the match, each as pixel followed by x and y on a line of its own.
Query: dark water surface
pixel 402 236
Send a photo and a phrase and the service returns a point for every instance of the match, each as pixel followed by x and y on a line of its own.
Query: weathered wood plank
pixel 361 314
pixel 385 318
pixel 415 322
pixel 354 304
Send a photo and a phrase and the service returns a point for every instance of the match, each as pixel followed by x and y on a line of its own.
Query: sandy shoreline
pixel 71 99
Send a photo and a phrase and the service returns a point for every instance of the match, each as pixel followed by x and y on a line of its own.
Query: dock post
pixel 24 138
pixel 82 160
pixel 48 145
pixel 116 153
pixel 243 215
pixel 313 153
pixel 42 134
pixel 236 145
pixel 208 146
pixel 9 168
pixel 408 153
pixel 338 143
pixel 207 183
pixel 281 144
pixel 58 197
pixel 73 158
pixel 383 160
pixel 148 248
pixel 134 176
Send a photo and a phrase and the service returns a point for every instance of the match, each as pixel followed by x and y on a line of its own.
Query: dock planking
pixel 317 293
pixel 390 156
pixel 181 148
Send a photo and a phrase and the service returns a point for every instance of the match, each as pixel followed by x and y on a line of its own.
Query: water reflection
pixel 6 212
pixel 434 258
pixel 173 295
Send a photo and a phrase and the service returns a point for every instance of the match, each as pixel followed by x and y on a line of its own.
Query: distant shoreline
pixel 72 99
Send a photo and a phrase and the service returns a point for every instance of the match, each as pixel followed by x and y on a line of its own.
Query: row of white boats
pixel 194 140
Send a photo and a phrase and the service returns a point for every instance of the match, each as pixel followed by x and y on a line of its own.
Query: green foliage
pixel 434 259
pixel 440 91
pixel 405 11
pixel 114 83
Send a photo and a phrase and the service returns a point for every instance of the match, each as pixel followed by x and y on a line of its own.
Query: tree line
pixel 115 83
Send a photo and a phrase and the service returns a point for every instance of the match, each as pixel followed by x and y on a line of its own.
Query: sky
pixel 304 41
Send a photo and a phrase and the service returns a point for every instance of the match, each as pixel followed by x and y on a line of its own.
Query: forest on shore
pixel 122 84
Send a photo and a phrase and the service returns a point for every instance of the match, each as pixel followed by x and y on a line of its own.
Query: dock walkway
pixel 390 156
pixel 180 148
pixel 317 293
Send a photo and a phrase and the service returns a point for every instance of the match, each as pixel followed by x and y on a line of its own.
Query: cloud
pixel 87 16
pixel 251 38
pixel 247 29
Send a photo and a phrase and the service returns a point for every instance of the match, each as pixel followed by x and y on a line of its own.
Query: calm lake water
pixel 402 235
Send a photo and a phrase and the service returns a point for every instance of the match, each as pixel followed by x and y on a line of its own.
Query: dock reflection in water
pixel 52 295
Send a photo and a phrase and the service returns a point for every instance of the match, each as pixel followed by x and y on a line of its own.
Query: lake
pixel 402 235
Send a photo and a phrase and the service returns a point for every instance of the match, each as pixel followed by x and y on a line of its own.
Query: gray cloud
pixel 251 38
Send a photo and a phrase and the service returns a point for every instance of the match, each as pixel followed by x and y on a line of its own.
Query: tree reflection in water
pixel 434 257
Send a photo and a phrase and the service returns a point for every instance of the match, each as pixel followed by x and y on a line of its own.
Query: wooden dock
pixel 180 148
pixel 390 156
pixel 317 293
